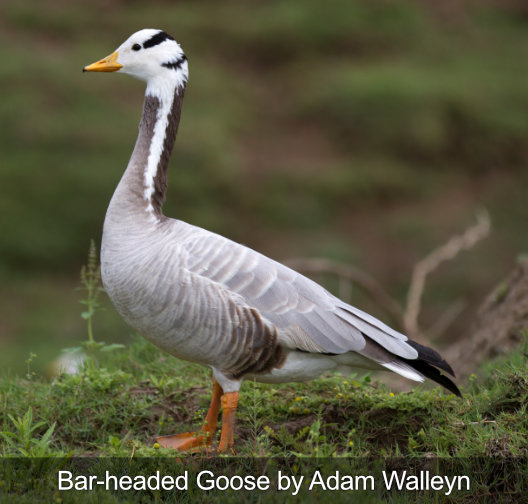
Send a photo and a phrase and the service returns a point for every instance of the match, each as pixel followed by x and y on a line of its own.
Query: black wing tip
pixel 431 356
pixel 434 374
pixel 427 362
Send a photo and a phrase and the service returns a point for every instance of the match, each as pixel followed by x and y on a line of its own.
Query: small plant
pixel 318 441
pixel 92 285
pixel 22 441
pixel 91 281
pixel 254 420
pixel 28 361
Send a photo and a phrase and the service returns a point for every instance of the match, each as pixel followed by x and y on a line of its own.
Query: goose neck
pixel 144 184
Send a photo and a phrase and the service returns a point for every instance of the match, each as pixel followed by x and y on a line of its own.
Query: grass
pixel 117 408
pixel 141 393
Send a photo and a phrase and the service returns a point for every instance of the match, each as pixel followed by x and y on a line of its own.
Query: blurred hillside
pixel 361 131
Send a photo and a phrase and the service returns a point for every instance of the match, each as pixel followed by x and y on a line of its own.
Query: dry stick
pixel 356 276
pixel 444 253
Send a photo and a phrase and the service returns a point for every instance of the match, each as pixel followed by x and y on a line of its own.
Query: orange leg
pixel 190 440
pixel 229 406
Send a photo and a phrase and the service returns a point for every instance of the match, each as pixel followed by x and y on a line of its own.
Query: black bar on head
pixel 157 39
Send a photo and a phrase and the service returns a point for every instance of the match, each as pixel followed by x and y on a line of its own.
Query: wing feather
pixel 305 315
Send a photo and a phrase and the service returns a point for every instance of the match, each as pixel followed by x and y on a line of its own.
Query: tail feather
pixel 431 372
pixel 414 369
pixel 431 356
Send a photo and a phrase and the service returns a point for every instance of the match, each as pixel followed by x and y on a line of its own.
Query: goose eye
pixel 136 47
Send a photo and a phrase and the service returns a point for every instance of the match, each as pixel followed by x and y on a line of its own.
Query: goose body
pixel 204 298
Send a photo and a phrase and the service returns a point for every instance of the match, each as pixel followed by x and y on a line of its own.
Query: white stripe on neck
pixel 164 90
pixel 156 149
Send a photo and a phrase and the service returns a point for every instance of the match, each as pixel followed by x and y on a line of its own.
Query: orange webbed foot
pixel 186 441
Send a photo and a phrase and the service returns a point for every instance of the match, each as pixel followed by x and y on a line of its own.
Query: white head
pixel 150 55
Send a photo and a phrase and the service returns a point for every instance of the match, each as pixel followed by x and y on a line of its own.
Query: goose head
pixel 150 55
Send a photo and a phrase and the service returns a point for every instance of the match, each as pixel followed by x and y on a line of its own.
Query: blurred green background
pixel 366 132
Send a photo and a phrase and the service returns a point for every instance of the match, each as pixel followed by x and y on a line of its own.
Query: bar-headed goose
pixel 206 299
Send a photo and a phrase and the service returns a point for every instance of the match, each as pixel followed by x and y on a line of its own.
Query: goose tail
pixel 427 364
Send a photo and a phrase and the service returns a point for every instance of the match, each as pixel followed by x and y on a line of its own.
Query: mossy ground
pixel 116 407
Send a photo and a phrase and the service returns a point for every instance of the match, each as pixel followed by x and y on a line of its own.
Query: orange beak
pixel 108 64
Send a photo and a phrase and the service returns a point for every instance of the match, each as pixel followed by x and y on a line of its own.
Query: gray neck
pixel 141 191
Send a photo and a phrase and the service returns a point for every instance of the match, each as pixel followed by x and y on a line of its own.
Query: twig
pixel 356 276
pixel 444 253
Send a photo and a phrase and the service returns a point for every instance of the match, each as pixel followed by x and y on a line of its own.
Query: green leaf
pixel 112 347
pixel 36 426
pixel 45 439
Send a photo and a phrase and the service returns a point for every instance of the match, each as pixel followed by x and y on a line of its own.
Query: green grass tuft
pixel 139 393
